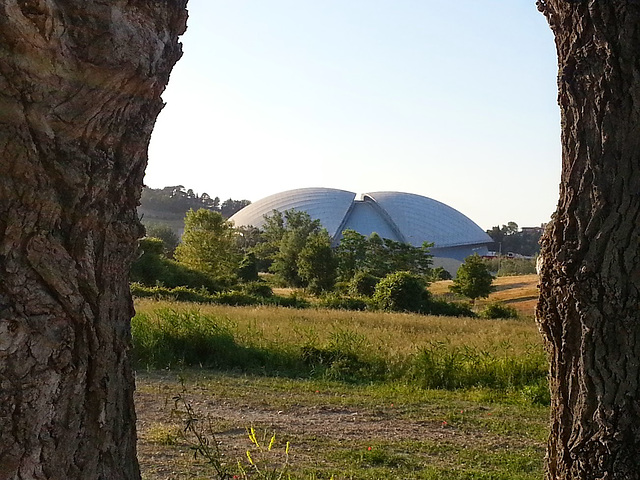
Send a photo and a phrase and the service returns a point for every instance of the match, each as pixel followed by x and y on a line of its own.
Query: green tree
pixel 351 254
pixel 248 268
pixel 376 256
pixel 152 268
pixel 170 239
pixel 405 257
pixel 473 279
pixel 209 244
pixel 317 263
pixel 285 236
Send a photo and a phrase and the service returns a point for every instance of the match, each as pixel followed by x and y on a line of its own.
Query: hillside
pixel 169 205
pixel 518 291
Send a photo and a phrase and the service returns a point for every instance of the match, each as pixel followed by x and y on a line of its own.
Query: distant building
pixel 403 217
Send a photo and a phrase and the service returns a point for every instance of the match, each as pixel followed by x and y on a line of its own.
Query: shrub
pixel 235 298
pixel 402 292
pixel 364 284
pixel 153 268
pixel 498 310
pixel 448 309
pixel 257 289
pixel 292 301
pixel 340 302
pixel 181 294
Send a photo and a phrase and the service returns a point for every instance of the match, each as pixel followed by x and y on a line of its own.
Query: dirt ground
pixel 164 449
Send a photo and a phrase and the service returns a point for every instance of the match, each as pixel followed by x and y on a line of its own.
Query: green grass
pixel 464 398
pixel 431 352
pixel 469 434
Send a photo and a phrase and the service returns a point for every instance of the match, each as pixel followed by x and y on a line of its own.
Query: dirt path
pixel 314 430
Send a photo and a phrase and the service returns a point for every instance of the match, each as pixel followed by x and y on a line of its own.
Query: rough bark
pixel 588 311
pixel 80 85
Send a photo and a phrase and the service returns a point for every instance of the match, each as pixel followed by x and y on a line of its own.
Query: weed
pixel 163 434
pixel 204 442
pixel 262 459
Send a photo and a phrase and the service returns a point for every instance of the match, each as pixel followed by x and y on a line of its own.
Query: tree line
pixel 177 200
pixel 511 238
pixel 297 252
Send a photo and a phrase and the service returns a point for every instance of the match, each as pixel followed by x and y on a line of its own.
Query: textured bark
pixel 80 85
pixel 589 291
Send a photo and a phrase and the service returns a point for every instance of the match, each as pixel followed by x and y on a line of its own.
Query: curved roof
pixel 403 217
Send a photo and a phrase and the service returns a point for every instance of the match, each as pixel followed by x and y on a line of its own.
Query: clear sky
pixel 455 101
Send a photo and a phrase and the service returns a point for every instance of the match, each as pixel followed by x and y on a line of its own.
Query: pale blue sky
pixel 451 100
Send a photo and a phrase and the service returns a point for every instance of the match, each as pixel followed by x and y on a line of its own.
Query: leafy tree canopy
pixel 510 238
pixel 317 263
pixel 473 279
pixel 178 201
pixel 380 257
pixel 209 244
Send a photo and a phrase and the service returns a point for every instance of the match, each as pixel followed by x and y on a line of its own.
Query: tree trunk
pixel 80 85
pixel 589 311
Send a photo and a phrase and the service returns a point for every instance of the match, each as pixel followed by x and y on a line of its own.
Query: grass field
pixel 353 392
pixel 518 291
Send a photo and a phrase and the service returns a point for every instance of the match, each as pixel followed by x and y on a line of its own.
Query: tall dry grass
pixel 436 352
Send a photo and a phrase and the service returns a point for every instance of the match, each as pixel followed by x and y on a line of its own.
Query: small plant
pixel 257 289
pixel 449 309
pixel 261 459
pixel 203 439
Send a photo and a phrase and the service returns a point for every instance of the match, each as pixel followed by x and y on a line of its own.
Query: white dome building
pixel 403 217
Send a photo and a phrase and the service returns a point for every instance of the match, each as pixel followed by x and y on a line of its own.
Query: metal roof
pixel 399 216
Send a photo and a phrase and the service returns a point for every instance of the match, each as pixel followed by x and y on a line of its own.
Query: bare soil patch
pixel 319 424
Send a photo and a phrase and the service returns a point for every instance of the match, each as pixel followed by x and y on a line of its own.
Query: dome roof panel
pixel 399 216
pixel 328 205
pixel 424 219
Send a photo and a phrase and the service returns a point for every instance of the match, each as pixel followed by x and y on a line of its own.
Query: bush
pixel 293 301
pixel 181 294
pixel 363 284
pixel 401 292
pixel 236 299
pixel 339 302
pixel 448 309
pixel 498 310
pixel 257 289
pixel 152 268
